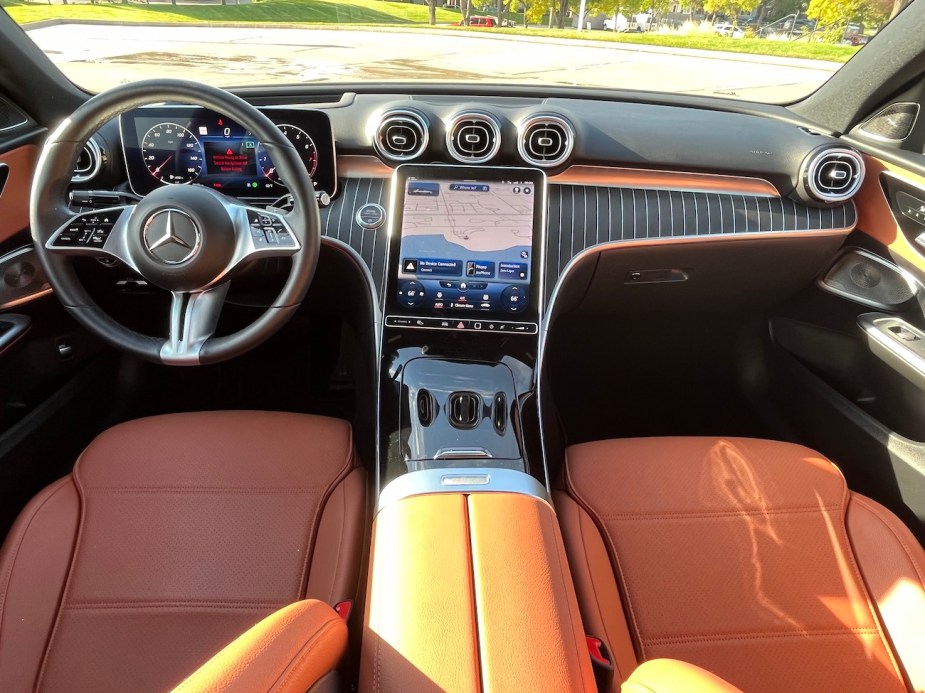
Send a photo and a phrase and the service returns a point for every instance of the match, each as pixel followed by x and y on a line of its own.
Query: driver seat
pixel 172 536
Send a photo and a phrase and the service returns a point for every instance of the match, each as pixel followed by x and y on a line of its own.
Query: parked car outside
pixel 483 22
pixel 726 29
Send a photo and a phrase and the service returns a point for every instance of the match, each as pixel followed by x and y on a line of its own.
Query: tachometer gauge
pixel 172 154
pixel 303 144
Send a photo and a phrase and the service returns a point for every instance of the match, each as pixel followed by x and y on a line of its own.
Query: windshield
pixel 777 51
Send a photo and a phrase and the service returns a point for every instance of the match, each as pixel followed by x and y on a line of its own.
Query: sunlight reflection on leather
pixel 847 572
pixel 731 474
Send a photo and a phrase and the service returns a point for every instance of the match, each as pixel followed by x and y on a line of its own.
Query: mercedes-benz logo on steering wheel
pixel 172 236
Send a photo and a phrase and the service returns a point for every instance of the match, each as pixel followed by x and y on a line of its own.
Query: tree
pixel 837 13
pixel 432 11
pixel 730 8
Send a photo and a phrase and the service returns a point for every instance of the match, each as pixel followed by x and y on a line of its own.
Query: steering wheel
pixel 186 239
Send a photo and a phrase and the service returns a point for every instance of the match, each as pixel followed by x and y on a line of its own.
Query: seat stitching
pixel 719 513
pixel 156 603
pixel 613 549
pixel 8 575
pixel 876 513
pixel 319 509
pixel 564 581
pixel 668 640
pixel 597 602
pixel 306 650
pixel 340 544
pixel 860 585
pixel 68 582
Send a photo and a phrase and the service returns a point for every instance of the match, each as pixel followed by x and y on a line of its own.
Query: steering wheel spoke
pixel 193 319
pixel 99 233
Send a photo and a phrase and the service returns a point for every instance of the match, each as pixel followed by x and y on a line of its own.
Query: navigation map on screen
pixel 466 245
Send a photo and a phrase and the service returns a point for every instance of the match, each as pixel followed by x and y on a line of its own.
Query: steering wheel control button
pixel 370 216
pixel 172 236
pixel 268 231
pixel 411 294
pixel 87 230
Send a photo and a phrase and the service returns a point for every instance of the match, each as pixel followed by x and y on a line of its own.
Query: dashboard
pixel 616 173
pixel 181 145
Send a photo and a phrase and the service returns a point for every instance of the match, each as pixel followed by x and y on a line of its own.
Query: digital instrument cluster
pixel 180 145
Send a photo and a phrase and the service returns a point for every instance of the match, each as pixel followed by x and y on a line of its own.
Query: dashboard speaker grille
pixel 473 138
pixel 893 123
pixel 401 135
pixel 870 280
pixel 10 116
pixel 833 174
pixel 546 141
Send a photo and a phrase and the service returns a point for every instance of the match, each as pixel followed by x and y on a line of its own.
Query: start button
pixel 370 216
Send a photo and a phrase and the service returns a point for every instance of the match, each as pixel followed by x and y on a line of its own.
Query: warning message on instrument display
pixel 224 159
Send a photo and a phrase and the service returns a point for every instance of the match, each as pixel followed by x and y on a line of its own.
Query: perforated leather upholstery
pixel 172 536
pixel 748 558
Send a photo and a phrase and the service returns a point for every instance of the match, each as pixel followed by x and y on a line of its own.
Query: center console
pixel 463 308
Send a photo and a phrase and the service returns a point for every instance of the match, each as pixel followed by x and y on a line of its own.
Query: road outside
pixel 100 56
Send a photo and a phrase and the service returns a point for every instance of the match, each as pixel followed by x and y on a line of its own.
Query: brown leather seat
pixel 172 536
pixel 748 558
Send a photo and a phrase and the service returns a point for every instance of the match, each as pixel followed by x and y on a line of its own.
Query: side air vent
pixel 473 138
pixel 831 175
pixel 89 162
pixel 402 135
pixel 545 140
pixel 893 123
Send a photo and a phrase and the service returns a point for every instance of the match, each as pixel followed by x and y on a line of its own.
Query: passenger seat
pixel 748 558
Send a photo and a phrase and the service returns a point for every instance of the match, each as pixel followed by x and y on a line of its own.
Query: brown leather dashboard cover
pixel 471 593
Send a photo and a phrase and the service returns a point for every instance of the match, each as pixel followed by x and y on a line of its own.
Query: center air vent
pixel 473 138
pixel 832 174
pixel 402 135
pixel 545 140
pixel 88 162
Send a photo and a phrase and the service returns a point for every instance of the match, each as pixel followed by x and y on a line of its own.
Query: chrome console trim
pixel 461 480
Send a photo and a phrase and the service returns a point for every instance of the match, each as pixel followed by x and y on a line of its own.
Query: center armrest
pixel 471 592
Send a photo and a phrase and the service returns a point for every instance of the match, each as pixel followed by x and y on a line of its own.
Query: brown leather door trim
pixel 875 218
pixel 14 198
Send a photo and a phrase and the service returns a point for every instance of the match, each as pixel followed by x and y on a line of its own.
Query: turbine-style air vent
pixel 473 138
pixel 832 174
pixel 545 140
pixel 402 135
pixel 88 163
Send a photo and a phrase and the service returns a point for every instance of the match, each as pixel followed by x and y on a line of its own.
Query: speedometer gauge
pixel 172 154
pixel 303 144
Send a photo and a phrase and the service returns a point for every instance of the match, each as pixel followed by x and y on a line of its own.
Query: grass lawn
pixel 262 12
pixel 758 46
pixel 382 12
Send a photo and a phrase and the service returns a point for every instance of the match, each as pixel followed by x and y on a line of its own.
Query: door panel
pixel 845 356
pixel 14 195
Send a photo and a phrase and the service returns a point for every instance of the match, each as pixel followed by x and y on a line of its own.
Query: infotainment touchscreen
pixel 467 248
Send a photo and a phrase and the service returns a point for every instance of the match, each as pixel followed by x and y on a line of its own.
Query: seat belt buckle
pixel 601 663
pixel 344 609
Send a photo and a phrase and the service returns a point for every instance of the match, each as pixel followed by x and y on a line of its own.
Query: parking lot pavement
pixel 100 56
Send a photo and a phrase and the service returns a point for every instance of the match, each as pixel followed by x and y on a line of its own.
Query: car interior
pixel 462 387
